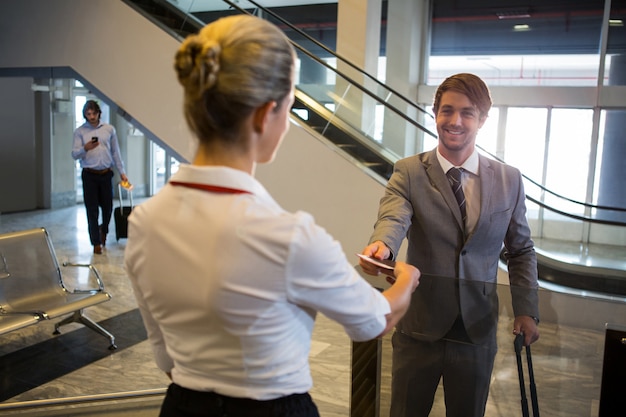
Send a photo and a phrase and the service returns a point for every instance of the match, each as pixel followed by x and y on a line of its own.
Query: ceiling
pixel 446 7
pixel 194 6
pixel 464 27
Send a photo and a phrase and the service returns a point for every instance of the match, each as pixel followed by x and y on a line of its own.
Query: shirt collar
pixel 89 125
pixel 470 164
pixel 220 176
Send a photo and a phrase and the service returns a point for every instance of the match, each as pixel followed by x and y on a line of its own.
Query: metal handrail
pixel 24 405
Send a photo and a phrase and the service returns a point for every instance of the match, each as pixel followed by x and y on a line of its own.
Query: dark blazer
pixel 419 204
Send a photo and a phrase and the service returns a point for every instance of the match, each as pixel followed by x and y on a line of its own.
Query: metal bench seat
pixel 32 288
pixel 10 322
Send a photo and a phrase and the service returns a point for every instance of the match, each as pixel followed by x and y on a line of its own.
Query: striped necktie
pixel 454 177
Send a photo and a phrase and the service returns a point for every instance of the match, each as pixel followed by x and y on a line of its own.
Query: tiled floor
pixel 36 366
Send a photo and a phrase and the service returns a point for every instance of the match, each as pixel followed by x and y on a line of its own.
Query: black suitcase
pixel 517 344
pixel 121 213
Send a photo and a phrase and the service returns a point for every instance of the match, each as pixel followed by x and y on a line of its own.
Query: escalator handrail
pixel 543 188
pixel 575 216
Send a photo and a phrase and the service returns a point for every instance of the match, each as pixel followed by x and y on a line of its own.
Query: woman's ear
pixel 261 116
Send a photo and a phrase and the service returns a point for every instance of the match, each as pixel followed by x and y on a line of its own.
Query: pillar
pixel 407 39
pixel 612 187
pixel 358 41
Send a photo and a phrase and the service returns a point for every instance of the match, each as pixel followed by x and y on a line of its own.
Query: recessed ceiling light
pixel 516 14
pixel 521 28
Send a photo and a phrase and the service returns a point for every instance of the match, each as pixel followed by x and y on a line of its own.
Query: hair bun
pixel 197 64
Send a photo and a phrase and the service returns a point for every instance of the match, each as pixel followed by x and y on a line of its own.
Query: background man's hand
pixel 91 145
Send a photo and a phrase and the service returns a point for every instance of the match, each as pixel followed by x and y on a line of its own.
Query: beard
pixel 456 142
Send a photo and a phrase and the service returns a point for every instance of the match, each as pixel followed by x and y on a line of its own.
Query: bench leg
pixel 79 317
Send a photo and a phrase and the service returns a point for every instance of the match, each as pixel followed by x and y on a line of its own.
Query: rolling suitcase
pixel 121 213
pixel 518 343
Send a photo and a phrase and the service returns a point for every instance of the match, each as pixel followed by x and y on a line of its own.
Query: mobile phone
pixel 94 139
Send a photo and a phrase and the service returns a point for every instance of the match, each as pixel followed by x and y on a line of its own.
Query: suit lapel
pixel 486 176
pixel 439 180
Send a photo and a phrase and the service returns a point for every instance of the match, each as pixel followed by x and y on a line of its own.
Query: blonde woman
pixel 229 283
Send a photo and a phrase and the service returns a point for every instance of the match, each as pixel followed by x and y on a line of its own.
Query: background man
pixel 97 149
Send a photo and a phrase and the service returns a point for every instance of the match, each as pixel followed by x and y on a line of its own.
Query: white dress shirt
pixel 229 285
pixel 471 186
pixel 105 155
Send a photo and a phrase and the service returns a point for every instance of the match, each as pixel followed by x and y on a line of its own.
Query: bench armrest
pixel 92 270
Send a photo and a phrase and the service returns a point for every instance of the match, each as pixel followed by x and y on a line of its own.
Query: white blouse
pixel 229 284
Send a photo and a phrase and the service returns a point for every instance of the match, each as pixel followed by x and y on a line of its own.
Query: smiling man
pixel 457 209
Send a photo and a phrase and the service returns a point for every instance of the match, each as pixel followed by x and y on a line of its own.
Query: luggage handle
pixel 130 195
pixel 517 344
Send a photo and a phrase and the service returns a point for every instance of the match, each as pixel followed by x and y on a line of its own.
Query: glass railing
pixel 569 361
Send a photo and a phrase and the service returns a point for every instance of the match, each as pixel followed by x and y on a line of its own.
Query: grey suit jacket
pixel 419 204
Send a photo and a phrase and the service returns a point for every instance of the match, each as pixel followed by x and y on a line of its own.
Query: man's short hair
pixel 470 85
pixel 91 105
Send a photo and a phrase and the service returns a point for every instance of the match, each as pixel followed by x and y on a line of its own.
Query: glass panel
pixel 161 172
pixel 569 150
pixel 158 166
pixel 572 332
pixel 79 103
pixel 174 164
pixel 610 188
pixel 351 114
pixel 525 141
pixel 487 138
pixel 615 73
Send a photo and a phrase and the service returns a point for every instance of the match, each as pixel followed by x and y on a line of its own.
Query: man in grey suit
pixel 455 238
